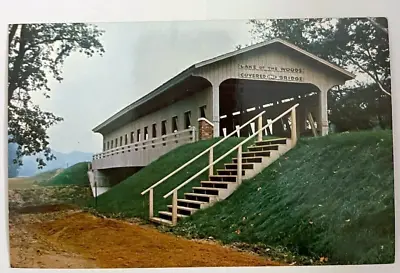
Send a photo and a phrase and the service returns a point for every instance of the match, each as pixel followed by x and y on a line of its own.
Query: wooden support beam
pixel 294 127
pixel 260 125
pixel 312 124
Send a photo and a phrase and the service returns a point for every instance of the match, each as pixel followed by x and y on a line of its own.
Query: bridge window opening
pixel 112 144
pixel 120 141
pixel 126 139
pixel 203 111
pixel 187 119
pixel 108 145
pixel 146 133
pixel 132 137
pixel 251 109
pixel 154 129
pixel 163 127
pixel 138 135
pixel 104 146
pixel 236 113
pixel 116 142
pixel 174 124
pixel 268 105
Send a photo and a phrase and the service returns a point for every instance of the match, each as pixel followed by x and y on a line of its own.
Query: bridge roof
pixel 184 75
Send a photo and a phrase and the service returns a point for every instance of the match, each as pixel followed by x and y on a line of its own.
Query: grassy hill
pixel 125 199
pixel 75 175
pixel 331 196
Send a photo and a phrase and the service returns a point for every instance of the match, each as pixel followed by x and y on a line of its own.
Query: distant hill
pixel 64 160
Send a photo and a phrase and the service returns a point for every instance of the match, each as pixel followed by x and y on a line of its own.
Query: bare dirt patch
pixel 20 182
pixel 75 239
pixel 30 250
pixel 47 231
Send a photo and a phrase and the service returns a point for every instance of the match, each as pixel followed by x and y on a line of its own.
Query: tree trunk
pixel 12 34
pixel 14 74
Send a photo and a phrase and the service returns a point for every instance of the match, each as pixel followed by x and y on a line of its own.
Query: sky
pixel 139 57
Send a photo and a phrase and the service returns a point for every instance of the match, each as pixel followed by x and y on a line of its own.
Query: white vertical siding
pixel 314 73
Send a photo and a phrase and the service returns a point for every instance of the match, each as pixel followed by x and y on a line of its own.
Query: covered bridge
pixel 212 97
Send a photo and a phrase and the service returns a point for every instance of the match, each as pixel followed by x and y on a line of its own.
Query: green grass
pixel 330 196
pixel 75 175
pixel 125 200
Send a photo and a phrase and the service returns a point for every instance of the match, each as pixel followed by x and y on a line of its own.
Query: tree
pixel 37 52
pixel 354 43
pixel 372 20
pixel 360 45
pixel 359 108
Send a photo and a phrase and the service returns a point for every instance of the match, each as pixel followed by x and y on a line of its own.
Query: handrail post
pixel 193 134
pixel 259 127
pixel 239 165
pixel 294 127
pixel 210 163
pixel 151 210
pixel 174 207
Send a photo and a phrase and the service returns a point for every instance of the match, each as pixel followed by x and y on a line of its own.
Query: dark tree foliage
pixel 360 45
pixel 359 108
pixel 36 53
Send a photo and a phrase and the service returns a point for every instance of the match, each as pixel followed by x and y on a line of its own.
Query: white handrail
pixel 201 154
pixel 230 151
pixel 138 144
pixel 133 147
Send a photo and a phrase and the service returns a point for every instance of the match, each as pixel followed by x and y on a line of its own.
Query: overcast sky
pixel 139 57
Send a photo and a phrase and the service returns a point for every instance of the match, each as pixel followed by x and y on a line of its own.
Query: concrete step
pixel 263 148
pixel 168 215
pixel 229 172
pixel 200 197
pixel 233 166
pixel 191 203
pixel 257 159
pixel 205 190
pixel 271 141
pixel 161 221
pixel 227 178
pixel 256 154
pixel 216 184
pixel 183 210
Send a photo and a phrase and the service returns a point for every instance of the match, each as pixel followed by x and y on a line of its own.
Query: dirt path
pixel 28 249
pixel 73 239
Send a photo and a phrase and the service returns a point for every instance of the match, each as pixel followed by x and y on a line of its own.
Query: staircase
pixel 218 187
